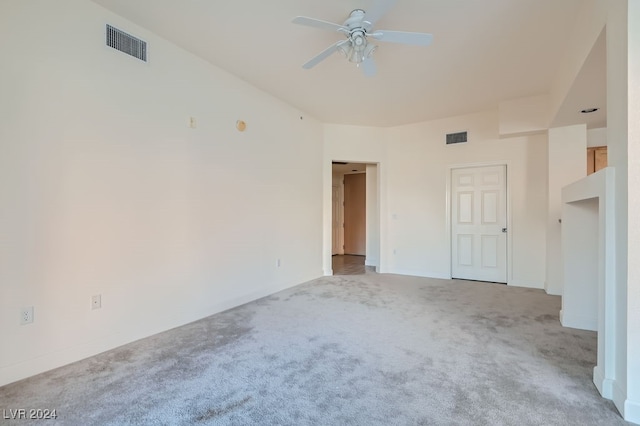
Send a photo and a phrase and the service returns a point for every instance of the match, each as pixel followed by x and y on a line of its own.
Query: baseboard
pixel 578 322
pixel 552 291
pixel 22 370
pixel 327 272
pixel 421 274
pixel 524 284
pixel 619 397
pixel 604 386
pixel 632 411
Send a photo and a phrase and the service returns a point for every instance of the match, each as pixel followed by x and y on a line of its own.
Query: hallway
pixel 348 265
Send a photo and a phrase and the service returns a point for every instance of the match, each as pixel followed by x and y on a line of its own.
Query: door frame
pixel 339 228
pixel 450 168
pixel 381 207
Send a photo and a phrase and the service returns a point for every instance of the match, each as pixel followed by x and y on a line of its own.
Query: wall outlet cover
pixel 26 315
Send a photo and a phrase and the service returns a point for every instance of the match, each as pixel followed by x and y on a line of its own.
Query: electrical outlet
pixel 96 301
pixel 26 315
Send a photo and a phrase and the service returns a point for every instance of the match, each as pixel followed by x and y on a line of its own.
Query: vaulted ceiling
pixel 483 52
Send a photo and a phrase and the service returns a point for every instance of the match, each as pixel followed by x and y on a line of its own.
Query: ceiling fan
pixel 358 29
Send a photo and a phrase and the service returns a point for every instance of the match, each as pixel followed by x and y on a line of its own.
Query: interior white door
pixel 479 223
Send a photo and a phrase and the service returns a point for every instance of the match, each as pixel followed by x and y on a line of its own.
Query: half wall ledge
pixel 588 258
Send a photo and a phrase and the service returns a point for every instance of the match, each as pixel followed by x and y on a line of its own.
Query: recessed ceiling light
pixel 589 110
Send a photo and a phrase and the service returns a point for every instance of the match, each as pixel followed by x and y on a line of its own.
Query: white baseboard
pixel 632 411
pixel 423 274
pixel 629 409
pixel 619 397
pixel 518 283
pixel 579 322
pixel 604 386
pixel 552 291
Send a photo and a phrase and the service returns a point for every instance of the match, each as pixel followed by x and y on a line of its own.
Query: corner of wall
pixel 524 116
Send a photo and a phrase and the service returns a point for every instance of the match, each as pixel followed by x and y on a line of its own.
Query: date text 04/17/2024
pixel 29 414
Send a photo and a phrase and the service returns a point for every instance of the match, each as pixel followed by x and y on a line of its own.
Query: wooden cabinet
pixel 596 159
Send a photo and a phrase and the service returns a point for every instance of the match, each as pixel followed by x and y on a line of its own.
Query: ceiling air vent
pixel 460 137
pixel 126 43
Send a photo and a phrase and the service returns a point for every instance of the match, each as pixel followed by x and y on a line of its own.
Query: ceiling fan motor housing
pixel 355 19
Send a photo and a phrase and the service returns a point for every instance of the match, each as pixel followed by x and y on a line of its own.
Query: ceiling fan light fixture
pixel 356 57
pixel 370 50
pixel 345 49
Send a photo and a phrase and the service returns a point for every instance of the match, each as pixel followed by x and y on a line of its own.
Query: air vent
pixel 460 137
pixel 126 43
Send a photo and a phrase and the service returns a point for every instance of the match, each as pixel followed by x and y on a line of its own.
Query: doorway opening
pixel 355 228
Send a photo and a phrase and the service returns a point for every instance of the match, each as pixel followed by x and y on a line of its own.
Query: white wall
pixel 105 190
pixel 617 156
pixel 590 285
pixel 414 167
pixel 597 137
pixel 567 163
pixel 581 264
pixel 419 166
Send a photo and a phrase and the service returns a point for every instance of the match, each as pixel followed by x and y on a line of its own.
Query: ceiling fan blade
pixel 317 23
pixel 403 37
pixel 324 54
pixel 369 67
pixel 380 7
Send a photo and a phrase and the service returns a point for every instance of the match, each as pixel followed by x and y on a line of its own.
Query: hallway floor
pixel 348 264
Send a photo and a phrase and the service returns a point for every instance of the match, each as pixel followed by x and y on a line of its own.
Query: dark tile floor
pixel 348 265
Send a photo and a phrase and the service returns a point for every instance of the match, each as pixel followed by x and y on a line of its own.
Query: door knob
pixel 504 229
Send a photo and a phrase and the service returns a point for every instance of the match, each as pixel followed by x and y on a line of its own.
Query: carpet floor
pixel 344 350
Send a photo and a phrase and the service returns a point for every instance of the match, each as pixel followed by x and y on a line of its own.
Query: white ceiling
pixel 589 90
pixel 483 52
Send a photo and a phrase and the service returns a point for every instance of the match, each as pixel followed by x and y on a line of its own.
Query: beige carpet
pixel 351 350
